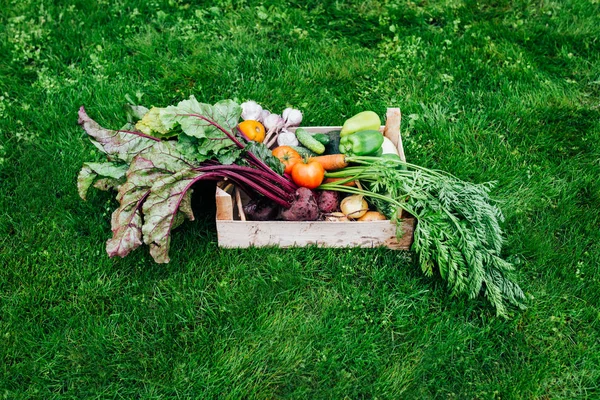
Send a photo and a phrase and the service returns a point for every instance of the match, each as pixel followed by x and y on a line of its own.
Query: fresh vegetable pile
pixel 290 174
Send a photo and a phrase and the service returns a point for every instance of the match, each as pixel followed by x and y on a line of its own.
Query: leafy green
pixel 166 206
pixel 112 174
pixel 117 145
pixel 458 232
pixel 146 169
pixel 261 151
pixel 151 124
pixel 202 149
pixel 154 177
pixel 201 140
pixel 134 112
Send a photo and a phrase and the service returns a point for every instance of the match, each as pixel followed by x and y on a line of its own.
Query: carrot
pixel 332 180
pixel 331 162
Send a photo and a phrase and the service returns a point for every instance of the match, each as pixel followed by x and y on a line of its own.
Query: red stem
pixel 265 188
pixel 140 134
pixel 253 159
pixel 253 172
pixel 259 163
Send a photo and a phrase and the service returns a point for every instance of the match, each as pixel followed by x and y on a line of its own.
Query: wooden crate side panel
pixel 224 205
pixel 239 234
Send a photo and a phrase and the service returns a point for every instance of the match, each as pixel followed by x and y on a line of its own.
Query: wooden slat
pixel 224 205
pixel 240 205
pixel 392 130
pixel 238 234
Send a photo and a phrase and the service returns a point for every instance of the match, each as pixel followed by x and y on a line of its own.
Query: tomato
pixel 252 129
pixel 309 175
pixel 288 157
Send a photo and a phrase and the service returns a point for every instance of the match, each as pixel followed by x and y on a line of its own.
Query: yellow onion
pixel 354 206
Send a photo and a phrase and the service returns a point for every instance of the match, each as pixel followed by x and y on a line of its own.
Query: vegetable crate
pixel 234 231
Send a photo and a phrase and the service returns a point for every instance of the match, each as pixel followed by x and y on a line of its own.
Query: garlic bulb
pixel 292 117
pixel 273 122
pixel 251 110
pixel 287 138
pixel 263 115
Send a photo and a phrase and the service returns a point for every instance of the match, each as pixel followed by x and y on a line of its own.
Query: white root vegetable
pixel 273 122
pixel 292 117
pixel 287 138
pixel 354 206
pixel 251 110
pixel 263 115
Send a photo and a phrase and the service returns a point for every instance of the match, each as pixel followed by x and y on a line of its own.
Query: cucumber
pixel 307 140
pixel 304 152
pixel 323 138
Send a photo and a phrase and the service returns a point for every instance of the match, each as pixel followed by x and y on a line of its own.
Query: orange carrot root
pixel 331 162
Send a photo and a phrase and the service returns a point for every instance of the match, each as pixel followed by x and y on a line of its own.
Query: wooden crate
pixel 232 232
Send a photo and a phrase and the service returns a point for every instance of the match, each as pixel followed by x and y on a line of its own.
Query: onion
pixel 336 217
pixel 372 216
pixel 292 117
pixel 354 206
pixel 251 110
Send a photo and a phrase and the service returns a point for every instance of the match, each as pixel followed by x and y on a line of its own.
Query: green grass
pixel 490 90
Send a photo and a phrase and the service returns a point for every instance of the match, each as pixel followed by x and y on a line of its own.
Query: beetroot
pixel 328 201
pixel 261 209
pixel 304 207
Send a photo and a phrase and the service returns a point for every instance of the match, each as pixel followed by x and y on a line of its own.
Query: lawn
pixel 504 91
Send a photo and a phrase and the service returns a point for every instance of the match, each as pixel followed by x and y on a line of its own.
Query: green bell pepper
pixel 363 143
pixel 363 121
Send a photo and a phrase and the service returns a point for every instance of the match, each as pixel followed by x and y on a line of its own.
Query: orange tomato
pixel 309 175
pixel 288 157
pixel 252 129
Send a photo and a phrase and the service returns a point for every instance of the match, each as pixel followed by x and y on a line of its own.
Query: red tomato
pixel 288 157
pixel 309 175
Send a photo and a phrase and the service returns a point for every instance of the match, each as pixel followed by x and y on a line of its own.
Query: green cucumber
pixel 307 140
pixel 323 138
pixel 304 152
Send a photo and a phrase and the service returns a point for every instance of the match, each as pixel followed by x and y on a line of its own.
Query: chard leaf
pixel 151 124
pixel 226 113
pixel 164 208
pixel 106 184
pixel 118 145
pixel 148 167
pixel 135 112
pixel 126 220
pixel 112 175
pixel 202 149
pixel 200 139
